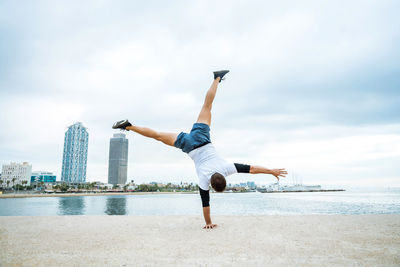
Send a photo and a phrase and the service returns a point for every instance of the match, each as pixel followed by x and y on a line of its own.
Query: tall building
pixel 118 159
pixel 75 154
pixel 17 171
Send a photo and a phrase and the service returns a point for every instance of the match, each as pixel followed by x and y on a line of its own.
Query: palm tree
pixel 1 183
pixel 13 181
pixel 24 183
pixel 8 183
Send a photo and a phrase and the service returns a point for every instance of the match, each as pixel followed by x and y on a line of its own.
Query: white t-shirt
pixel 208 162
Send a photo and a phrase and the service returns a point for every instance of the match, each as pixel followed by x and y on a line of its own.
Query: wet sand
pixel 307 240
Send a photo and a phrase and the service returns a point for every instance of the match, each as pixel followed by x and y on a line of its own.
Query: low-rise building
pixel 43 176
pixel 16 173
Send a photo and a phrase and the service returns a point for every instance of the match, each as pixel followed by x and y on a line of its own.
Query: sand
pixel 307 240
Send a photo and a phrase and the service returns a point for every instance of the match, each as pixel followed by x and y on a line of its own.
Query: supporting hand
pixel 210 226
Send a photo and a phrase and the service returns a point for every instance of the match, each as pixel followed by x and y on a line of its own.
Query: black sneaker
pixel 220 74
pixel 121 124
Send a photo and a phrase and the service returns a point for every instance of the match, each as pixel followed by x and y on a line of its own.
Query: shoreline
pixel 264 240
pixel 11 195
pixel 304 191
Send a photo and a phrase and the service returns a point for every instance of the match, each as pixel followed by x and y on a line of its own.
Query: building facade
pixel 251 185
pixel 75 154
pixel 43 176
pixel 118 160
pixel 17 172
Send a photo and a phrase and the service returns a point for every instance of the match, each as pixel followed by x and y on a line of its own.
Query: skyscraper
pixel 118 159
pixel 75 154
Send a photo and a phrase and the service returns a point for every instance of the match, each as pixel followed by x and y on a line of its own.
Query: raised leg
pixel 205 113
pixel 166 138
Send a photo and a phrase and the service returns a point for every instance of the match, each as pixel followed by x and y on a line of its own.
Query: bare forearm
pixel 206 214
pixel 275 172
pixel 254 169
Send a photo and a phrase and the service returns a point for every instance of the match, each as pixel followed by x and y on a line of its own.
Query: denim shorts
pixel 198 136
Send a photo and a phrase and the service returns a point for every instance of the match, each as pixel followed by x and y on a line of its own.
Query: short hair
pixel 218 182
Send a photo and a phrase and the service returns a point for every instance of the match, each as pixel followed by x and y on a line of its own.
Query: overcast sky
pixel 314 85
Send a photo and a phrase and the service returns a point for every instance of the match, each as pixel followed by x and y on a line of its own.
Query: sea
pixel 351 201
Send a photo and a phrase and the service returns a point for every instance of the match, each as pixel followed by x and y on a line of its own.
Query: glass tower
pixel 118 159
pixel 75 154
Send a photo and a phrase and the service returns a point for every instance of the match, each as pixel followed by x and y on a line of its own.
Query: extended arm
pixel 254 169
pixel 275 172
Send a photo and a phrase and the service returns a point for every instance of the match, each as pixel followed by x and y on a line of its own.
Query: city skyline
pixel 306 91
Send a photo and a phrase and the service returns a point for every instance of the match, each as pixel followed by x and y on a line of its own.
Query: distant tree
pixel 1 183
pixel 64 187
pixel 19 186
pixel 125 187
pixel 154 188
pixel 8 183
pixel 24 183
pixel 143 188
pixel 13 180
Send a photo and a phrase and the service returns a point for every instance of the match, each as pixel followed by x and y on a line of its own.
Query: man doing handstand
pixel 197 144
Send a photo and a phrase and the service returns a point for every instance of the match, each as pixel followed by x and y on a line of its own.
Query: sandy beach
pixel 307 240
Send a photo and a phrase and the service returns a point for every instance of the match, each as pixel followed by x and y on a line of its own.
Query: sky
pixel 313 85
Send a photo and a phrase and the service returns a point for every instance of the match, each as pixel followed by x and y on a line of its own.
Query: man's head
pixel 218 182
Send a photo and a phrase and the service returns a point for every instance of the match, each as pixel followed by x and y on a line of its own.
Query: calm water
pixel 348 202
